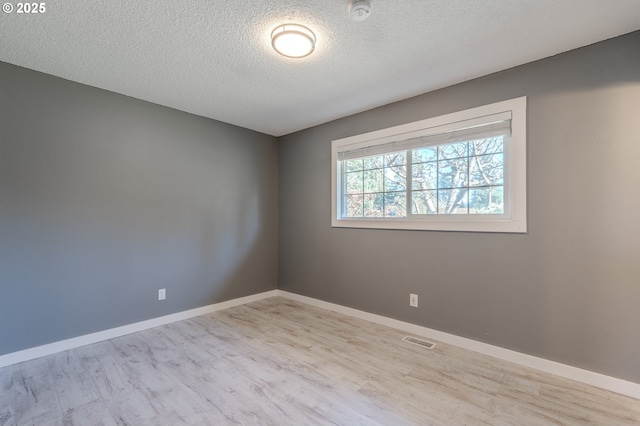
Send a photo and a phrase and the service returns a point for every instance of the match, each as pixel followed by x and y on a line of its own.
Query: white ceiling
pixel 214 58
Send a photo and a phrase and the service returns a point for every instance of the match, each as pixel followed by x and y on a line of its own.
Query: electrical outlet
pixel 162 294
pixel 413 300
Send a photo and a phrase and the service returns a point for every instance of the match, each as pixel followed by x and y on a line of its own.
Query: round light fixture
pixel 293 41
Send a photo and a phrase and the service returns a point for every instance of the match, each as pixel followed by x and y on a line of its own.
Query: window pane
pixel 373 205
pixel 486 146
pixel 373 181
pixel 453 201
pixel 453 173
pixel 452 150
pixel 425 154
pixel 424 202
pixel 354 183
pixel 374 162
pixel 486 200
pixel 395 178
pixel 395 204
pixel 354 205
pixel 354 165
pixel 486 170
pixel 395 159
pixel 424 176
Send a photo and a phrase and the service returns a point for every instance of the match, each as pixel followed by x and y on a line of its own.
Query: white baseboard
pixel 87 339
pixel 573 373
pixel 580 375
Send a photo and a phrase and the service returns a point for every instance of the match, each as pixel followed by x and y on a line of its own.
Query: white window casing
pixel 441 148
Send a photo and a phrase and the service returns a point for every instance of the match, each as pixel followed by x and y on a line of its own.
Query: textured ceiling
pixel 213 58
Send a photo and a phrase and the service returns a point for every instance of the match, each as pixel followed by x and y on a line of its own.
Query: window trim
pixel 514 220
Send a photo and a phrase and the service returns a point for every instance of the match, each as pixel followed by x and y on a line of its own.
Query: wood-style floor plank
pixel 279 362
pixel 7 405
pixel 35 397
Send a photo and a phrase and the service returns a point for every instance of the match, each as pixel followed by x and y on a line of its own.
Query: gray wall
pixel 569 290
pixel 104 199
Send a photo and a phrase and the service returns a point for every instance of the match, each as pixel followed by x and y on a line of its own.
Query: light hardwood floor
pixel 278 362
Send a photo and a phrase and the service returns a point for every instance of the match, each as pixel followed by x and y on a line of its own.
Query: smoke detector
pixel 359 9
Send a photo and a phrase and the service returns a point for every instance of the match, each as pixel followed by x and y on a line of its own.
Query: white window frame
pixel 514 218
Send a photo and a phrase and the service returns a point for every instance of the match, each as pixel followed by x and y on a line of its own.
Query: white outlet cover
pixel 162 294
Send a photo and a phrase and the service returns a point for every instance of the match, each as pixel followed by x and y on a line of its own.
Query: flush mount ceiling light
pixel 293 41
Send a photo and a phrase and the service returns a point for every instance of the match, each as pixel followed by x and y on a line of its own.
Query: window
pixel 464 171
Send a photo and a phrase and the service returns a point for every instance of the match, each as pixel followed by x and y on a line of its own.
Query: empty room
pixel 344 212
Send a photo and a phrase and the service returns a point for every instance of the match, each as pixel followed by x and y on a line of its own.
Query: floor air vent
pixel 419 342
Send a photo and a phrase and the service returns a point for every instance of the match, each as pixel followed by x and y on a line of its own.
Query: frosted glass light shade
pixel 293 41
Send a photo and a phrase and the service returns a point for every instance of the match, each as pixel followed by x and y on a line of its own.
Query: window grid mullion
pixel 409 184
pixel 437 180
pixel 468 185
pixel 363 191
